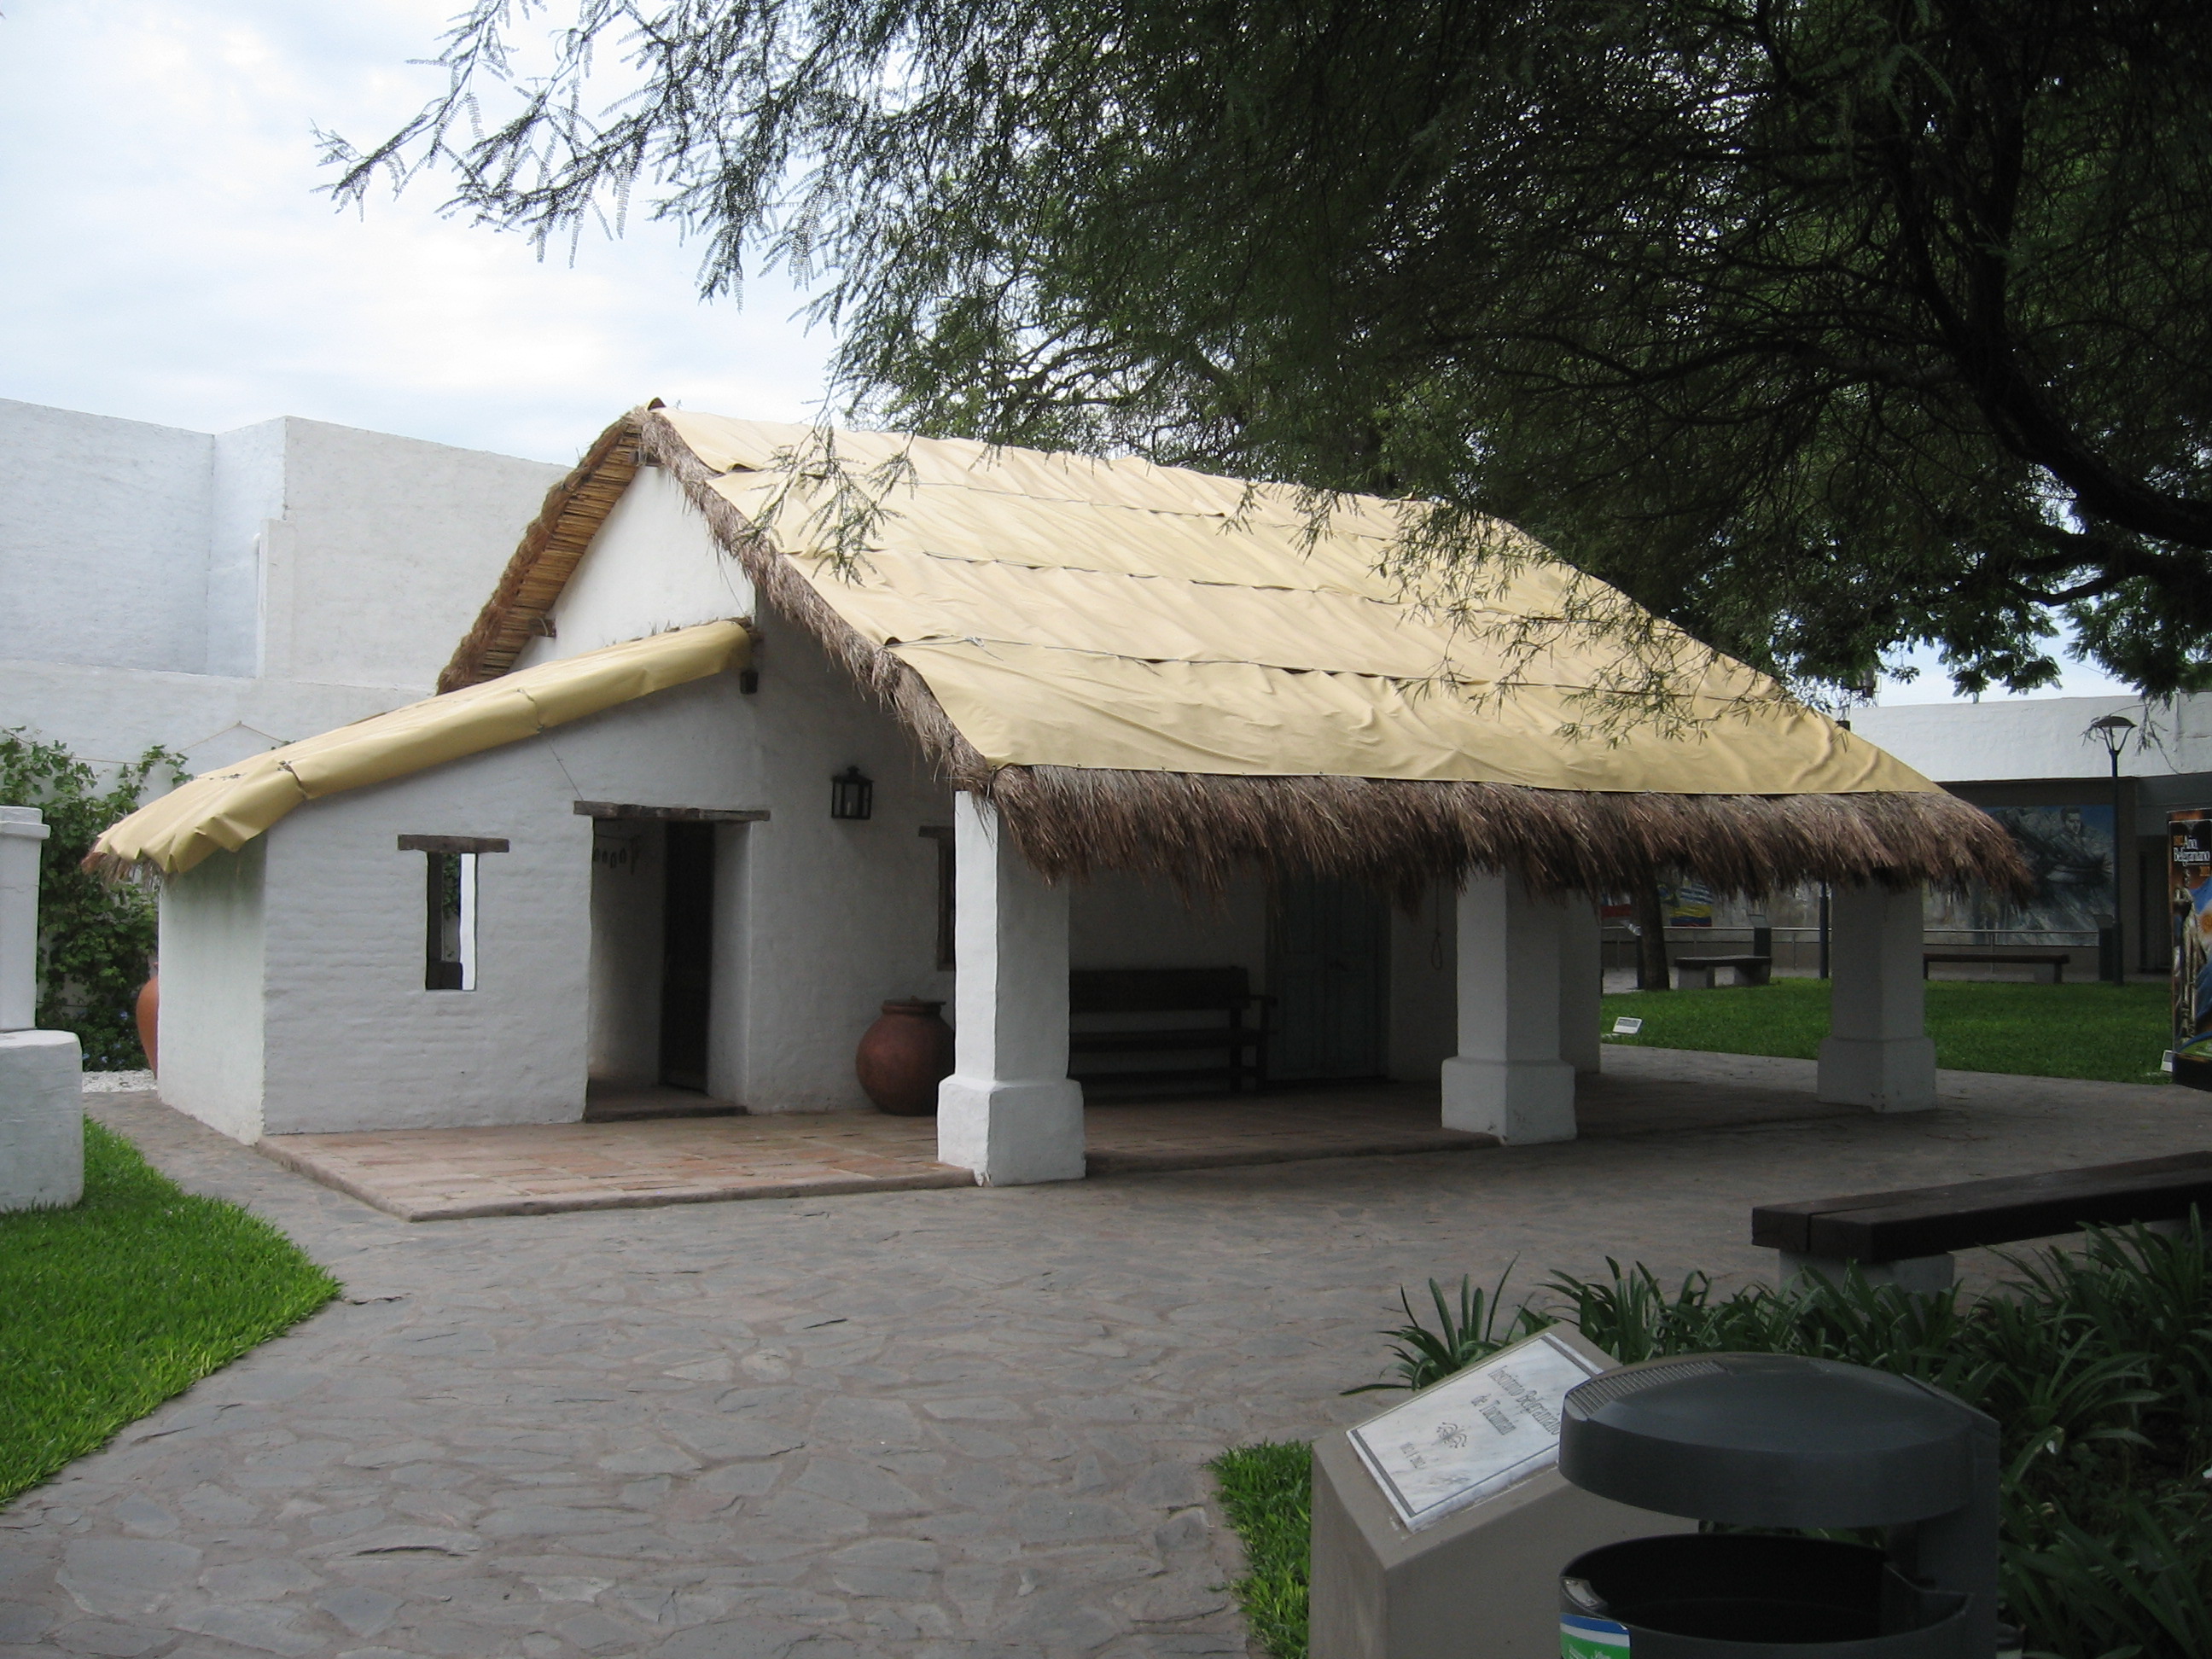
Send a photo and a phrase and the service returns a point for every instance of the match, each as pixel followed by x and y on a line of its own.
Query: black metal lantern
pixel 852 795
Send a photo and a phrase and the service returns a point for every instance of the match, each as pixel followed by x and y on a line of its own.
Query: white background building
pixel 221 594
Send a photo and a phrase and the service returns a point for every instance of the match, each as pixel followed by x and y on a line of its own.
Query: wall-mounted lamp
pixel 852 795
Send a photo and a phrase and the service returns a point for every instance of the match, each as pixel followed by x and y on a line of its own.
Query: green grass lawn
pixel 2114 1032
pixel 1266 1492
pixel 109 1308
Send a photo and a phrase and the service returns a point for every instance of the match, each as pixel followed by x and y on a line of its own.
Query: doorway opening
pixel 1327 968
pixel 687 958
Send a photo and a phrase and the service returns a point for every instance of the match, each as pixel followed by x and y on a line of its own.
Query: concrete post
pixel 1582 984
pixel 41 1116
pixel 21 832
pixel 1878 1053
pixel 1009 1111
pixel 1507 1079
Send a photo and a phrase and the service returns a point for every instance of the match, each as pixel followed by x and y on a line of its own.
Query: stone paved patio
pixel 941 1425
pixel 445 1175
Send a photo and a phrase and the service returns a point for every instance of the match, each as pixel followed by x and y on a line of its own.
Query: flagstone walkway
pixel 964 1424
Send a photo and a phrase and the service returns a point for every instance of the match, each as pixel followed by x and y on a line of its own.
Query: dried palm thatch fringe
pixel 547 555
pixel 1198 829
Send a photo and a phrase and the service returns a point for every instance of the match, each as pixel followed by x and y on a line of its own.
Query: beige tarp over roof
pixel 228 807
pixel 1074 612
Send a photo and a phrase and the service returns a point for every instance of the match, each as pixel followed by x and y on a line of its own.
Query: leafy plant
pixel 2096 1364
pixel 96 938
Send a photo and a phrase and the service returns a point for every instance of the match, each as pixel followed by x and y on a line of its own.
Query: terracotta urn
pixel 149 1020
pixel 904 1057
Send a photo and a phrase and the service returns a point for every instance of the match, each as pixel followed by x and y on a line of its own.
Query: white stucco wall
pixel 628 873
pixel 212 991
pixel 354 1041
pixel 1126 921
pixel 103 528
pixel 653 566
pixel 1423 1018
pixel 222 594
pixel 387 550
pixel 2037 737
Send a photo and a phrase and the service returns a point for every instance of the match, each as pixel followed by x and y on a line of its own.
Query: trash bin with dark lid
pixel 1772 1440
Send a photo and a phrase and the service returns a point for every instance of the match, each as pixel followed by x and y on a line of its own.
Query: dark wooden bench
pixel 2054 960
pixel 1906 1237
pixel 1152 1010
pixel 1697 972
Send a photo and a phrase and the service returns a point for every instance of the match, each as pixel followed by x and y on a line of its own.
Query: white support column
pixel 41 1112
pixel 1009 1111
pixel 1508 1079
pixel 1877 1053
pixel 1582 984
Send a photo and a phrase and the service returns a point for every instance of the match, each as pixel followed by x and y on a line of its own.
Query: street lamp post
pixel 2113 732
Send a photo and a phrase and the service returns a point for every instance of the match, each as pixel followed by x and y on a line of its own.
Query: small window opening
pixel 942 834
pixel 450 948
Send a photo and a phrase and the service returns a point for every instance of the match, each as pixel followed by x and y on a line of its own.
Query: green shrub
pixel 95 938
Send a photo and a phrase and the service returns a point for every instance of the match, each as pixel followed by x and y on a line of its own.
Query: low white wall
pixel 212 980
pixel 113 715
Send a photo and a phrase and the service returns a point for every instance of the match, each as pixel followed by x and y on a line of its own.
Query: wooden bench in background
pixel 1169 1019
pixel 2054 960
pixel 1906 1237
pixel 1697 972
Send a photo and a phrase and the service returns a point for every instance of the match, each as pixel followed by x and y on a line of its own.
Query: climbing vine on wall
pixel 95 939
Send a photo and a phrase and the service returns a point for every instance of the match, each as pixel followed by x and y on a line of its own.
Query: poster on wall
pixel 2189 881
pixel 1689 905
pixel 2068 850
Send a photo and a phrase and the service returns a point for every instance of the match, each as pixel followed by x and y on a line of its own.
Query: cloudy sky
pixel 167 258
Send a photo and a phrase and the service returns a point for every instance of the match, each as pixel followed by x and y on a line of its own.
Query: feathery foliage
pixel 1818 326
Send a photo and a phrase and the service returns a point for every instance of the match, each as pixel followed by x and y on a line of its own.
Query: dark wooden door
pixel 1328 970
pixel 686 966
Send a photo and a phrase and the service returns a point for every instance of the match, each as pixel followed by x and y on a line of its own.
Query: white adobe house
pixel 1112 715
pixel 220 594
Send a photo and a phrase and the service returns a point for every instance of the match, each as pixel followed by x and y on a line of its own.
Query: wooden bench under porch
pixel 1906 1237
pixel 1175 1025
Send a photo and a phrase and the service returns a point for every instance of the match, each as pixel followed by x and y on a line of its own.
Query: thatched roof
pixel 1154 670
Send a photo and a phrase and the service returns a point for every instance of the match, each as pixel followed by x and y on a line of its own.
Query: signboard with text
pixel 1479 1432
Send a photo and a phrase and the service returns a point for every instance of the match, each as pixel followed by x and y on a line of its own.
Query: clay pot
pixel 904 1057
pixel 149 1021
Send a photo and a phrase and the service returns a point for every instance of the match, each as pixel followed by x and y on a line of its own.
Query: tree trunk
pixel 1650 939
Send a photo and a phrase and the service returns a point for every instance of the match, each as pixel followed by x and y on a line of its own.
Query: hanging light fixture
pixel 852 795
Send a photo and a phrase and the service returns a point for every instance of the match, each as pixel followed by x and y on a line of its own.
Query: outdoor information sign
pixel 1477 1432
pixel 2189 870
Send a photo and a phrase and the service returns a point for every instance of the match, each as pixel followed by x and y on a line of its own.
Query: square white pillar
pixel 1878 1053
pixel 1507 1079
pixel 41 1073
pixel 1582 984
pixel 22 831
pixel 1009 1112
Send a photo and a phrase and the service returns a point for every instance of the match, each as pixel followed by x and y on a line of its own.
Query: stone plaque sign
pixel 1476 1432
